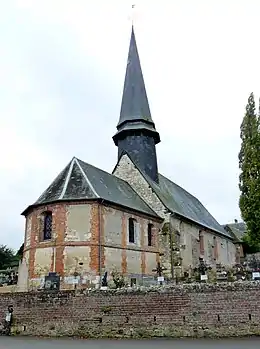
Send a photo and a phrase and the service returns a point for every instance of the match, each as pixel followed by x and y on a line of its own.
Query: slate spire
pixel 136 134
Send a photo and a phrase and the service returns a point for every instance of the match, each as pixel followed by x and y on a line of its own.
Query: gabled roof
pixel 81 181
pixel 237 229
pixel 178 200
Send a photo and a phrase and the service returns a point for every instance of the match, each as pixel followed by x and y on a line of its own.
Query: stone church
pixel 88 221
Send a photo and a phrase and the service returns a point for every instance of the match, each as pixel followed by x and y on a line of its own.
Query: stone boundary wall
pixel 195 310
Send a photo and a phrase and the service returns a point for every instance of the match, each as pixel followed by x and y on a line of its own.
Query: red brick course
pixel 97 254
pixel 95 227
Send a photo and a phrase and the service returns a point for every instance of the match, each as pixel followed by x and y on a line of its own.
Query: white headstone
pixel 160 278
pixel 255 275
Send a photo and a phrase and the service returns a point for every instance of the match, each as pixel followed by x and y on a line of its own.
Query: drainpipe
pixel 99 240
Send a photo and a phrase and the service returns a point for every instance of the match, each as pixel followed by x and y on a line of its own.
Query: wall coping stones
pixel 170 289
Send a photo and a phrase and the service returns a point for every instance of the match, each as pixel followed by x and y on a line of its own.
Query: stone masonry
pixel 217 249
pixel 87 239
pixel 194 310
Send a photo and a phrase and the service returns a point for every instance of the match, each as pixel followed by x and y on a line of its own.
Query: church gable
pixel 126 170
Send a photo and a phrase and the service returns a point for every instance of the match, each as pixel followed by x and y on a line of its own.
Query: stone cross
pixel 159 271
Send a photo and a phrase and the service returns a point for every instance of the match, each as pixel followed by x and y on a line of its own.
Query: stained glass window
pixel 47 229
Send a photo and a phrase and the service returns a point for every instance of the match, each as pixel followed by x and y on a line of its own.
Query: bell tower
pixel 136 134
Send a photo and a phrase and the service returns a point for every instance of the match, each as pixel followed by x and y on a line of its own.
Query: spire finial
pixel 133 14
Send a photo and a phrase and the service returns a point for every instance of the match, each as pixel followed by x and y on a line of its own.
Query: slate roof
pixel 178 200
pixel 82 181
pixel 237 229
pixel 135 111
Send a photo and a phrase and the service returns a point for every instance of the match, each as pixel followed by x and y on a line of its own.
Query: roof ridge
pixel 67 178
pixel 86 178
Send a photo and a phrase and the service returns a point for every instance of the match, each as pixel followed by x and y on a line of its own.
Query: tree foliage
pixel 250 246
pixel 249 179
pixel 6 257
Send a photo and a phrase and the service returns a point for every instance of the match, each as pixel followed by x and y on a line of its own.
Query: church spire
pixel 135 104
pixel 136 130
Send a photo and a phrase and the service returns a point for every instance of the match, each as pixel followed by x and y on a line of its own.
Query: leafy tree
pixel 6 257
pixel 249 246
pixel 249 179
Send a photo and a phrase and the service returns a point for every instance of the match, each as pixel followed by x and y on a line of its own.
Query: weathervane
pixel 133 14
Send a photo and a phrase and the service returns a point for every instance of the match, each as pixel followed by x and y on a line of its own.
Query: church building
pixel 88 221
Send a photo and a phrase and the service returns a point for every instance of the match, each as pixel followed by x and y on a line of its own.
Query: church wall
pixel 78 223
pixel 74 247
pixel 218 250
pixel 77 261
pixel 74 241
pixel 194 242
pixel 127 171
pixel 43 261
pixel 113 259
pixel 112 226
pixel 133 260
pixel 28 230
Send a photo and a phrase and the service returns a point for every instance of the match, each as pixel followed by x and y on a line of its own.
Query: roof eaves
pixel 154 215
pixel 202 224
pixel 99 199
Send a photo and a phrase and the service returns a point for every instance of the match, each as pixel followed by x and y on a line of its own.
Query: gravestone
pixel 52 282
pixel 104 282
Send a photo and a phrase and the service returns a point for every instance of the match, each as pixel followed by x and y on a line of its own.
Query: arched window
pixel 47 226
pixel 201 243
pixel 131 230
pixel 215 248
pixel 150 234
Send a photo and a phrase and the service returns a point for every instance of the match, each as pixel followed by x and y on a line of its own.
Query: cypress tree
pixel 249 179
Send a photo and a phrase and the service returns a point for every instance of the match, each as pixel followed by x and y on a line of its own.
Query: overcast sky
pixel 62 66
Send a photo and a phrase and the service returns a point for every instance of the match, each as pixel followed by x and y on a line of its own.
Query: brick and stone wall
pixel 190 310
pixel 77 247
pixel 220 250
pixel 195 242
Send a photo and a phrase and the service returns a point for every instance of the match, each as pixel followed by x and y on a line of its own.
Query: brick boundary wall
pixel 195 310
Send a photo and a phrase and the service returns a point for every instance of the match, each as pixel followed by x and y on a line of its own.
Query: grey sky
pixel 62 66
